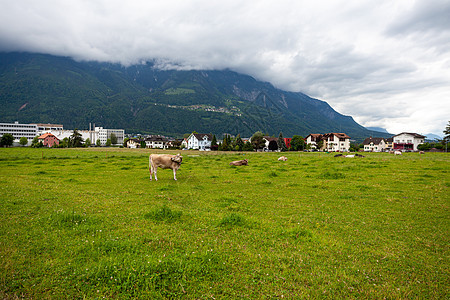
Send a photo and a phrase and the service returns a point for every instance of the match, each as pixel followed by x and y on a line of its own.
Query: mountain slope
pixel 140 98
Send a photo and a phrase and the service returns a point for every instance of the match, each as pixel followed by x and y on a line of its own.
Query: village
pixel 54 135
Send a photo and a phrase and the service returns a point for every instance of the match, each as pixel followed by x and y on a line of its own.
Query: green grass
pixel 89 224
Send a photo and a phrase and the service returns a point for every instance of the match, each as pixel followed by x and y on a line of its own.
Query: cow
pixel 397 152
pixel 350 156
pixel 239 163
pixel 421 152
pixel 359 155
pixel 164 161
pixel 282 158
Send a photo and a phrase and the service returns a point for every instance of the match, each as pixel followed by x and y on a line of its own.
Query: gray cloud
pixel 378 62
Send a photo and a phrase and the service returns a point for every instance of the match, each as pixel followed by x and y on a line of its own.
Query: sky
pixel 386 63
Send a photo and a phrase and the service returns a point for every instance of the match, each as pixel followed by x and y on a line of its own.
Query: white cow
pixel 397 152
pixel 282 158
pixel 164 161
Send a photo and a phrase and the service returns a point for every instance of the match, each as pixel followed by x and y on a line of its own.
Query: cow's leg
pixel 150 166
pixel 174 174
pixel 154 173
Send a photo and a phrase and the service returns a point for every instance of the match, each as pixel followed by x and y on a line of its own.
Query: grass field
pixel 88 224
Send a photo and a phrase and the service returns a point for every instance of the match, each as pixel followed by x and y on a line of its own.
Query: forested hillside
pixel 143 99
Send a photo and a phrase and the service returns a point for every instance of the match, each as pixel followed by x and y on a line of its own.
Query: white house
pixel 312 140
pixel 199 141
pixel 156 141
pixel 336 142
pixel 134 143
pixel 408 141
pixel 374 144
pixel 184 144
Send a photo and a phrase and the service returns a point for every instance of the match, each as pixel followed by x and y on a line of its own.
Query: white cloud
pixel 385 63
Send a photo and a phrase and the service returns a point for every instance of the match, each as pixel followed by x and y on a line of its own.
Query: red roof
pixel 45 135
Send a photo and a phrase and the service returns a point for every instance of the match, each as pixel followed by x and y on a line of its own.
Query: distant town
pixel 54 135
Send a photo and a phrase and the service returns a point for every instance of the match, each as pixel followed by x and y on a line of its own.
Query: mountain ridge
pixel 143 99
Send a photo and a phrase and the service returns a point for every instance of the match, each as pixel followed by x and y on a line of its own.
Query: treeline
pixel 258 142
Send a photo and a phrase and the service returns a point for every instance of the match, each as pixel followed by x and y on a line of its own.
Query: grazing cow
pixel 422 152
pixel 338 155
pixel 239 163
pixel 164 161
pixel 282 158
pixel 359 155
pixel 397 152
pixel 350 156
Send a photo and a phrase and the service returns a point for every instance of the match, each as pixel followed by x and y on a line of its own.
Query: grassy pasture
pixel 88 224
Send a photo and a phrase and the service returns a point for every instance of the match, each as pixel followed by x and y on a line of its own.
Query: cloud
pixel 377 61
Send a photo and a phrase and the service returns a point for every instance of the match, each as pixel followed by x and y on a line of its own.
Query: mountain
pixel 143 99
pixel 432 137
pixel 377 129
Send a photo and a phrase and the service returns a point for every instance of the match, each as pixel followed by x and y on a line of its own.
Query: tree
pixel 36 143
pixel 297 143
pixel 64 143
pixel 23 141
pixel 98 143
pixel 214 145
pixel 113 138
pixel 258 141
pixel 7 140
pixel 225 144
pixel 125 140
pixel 76 140
pixel 239 143
pixel 447 133
pixel 87 143
pixel 424 146
pixel 143 144
pixel 320 144
pixel 247 146
pixel 280 143
pixel 108 143
pixel 353 147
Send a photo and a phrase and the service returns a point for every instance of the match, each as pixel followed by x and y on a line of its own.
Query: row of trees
pixel 257 142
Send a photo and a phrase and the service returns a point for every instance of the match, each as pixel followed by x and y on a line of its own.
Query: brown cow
pixel 164 161
pixel 239 163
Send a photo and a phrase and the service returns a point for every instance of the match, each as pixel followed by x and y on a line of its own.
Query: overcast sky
pixel 385 62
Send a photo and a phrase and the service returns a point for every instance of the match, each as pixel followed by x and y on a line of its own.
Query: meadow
pixel 89 224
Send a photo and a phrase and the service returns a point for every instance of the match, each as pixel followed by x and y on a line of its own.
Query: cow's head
pixel 177 158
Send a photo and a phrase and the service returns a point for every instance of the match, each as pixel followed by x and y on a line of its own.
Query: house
pixel 156 141
pixel 336 142
pixel 48 140
pixel 389 143
pixel 287 142
pixel 406 141
pixel 134 143
pixel 313 139
pixel 199 141
pixel 184 143
pixel 372 144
